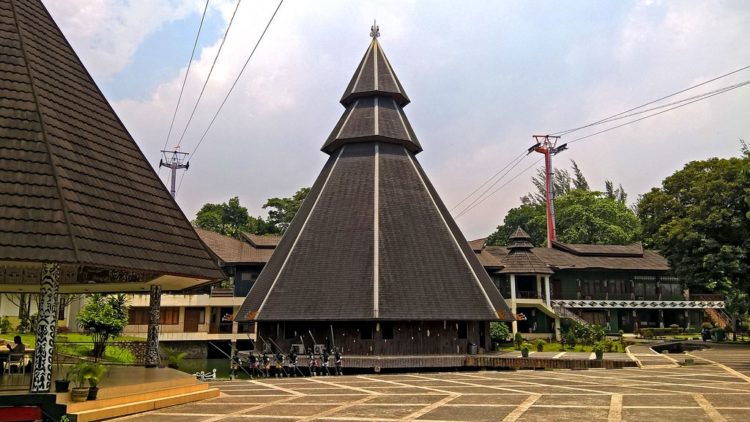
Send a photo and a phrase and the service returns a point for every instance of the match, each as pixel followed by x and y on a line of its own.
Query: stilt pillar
pixel 46 328
pixel 152 341
pixel 547 293
pixel 514 324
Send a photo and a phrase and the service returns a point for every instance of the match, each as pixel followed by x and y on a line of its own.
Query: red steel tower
pixel 546 144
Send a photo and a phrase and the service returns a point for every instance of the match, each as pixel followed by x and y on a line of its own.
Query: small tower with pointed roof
pixel 521 264
pixel 373 257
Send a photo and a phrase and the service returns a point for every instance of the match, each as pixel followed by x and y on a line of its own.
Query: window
pixel 386 329
pixel 202 316
pixel 169 316
pixel 61 312
pixel 137 316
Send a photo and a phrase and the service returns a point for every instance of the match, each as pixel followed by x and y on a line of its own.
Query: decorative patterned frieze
pixel 639 304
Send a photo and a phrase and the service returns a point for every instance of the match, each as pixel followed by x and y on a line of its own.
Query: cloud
pixel 108 32
pixel 483 77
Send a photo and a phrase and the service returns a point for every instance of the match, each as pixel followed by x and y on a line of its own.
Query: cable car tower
pixel 174 160
pixel 547 145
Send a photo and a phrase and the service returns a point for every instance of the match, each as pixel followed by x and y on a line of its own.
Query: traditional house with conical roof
pixel 373 263
pixel 81 210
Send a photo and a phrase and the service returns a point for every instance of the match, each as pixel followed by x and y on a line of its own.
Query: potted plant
pixel 94 374
pixel 77 374
pixel 598 349
pixel 518 341
pixel 525 349
pixel 540 345
pixel 62 383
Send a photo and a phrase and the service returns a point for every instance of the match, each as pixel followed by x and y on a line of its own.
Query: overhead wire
pixel 226 97
pixel 516 162
pixel 208 77
pixel 221 106
pixel 604 120
pixel 733 87
pixel 486 181
pixel 619 116
pixel 187 72
pixel 467 210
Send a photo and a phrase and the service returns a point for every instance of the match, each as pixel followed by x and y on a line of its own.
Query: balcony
pixel 220 328
pixel 529 294
pixel 222 292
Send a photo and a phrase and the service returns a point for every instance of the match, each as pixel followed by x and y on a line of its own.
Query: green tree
pixel 583 216
pixel 697 219
pixel 103 317
pixel 594 218
pixel 531 217
pixel 231 219
pixel 281 211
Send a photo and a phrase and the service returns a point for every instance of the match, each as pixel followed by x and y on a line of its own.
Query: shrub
pixel 540 345
pixel 103 317
pixel 499 331
pixel 174 358
pixel 647 333
pixel 4 325
pixel 707 325
pixel 600 347
pixel 518 341
pixel 570 339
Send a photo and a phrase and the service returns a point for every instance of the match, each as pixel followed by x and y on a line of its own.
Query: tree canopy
pixel 582 215
pixel 698 220
pixel 231 219
pixel 103 316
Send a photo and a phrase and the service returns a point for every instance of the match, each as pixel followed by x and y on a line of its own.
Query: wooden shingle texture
pixel 373 240
pixel 74 186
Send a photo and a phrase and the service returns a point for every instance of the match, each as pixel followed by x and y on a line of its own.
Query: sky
pixel 482 76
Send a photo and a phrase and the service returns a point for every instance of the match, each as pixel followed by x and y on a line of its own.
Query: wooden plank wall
pixel 409 337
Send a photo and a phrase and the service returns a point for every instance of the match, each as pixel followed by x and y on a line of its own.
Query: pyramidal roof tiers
pixel 75 189
pixel 373 240
pixel 373 101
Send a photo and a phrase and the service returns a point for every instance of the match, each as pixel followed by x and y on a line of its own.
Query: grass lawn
pixel 555 347
pixel 76 344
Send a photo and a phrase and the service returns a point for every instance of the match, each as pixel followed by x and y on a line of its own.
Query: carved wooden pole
pixel 46 328
pixel 152 342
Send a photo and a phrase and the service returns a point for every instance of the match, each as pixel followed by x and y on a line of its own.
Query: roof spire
pixel 374 29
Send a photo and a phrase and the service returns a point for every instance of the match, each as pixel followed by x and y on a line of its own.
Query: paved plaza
pixel 710 390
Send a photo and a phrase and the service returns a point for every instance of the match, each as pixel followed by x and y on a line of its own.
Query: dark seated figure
pixel 17 347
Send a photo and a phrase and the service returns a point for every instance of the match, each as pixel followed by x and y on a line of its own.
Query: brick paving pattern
pixel 715 388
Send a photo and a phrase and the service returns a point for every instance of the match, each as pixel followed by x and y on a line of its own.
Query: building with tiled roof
pixel 81 209
pixel 373 261
pixel 623 287
pixel 75 188
pixel 192 319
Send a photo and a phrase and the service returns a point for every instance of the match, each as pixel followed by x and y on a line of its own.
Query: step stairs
pixel 129 398
pixel 718 318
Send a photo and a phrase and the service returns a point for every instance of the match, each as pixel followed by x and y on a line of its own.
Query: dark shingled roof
pixel 74 186
pixel 263 242
pixel 376 242
pixel 521 258
pixel 232 251
pixel 635 249
pixel 374 77
pixel 373 104
pixel 559 259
